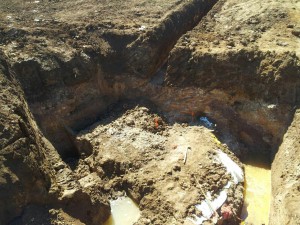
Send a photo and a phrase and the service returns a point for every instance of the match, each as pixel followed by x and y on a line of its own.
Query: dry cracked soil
pixel 101 99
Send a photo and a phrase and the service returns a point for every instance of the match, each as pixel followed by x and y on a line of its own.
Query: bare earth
pixel 103 98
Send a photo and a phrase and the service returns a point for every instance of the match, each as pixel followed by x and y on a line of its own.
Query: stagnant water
pixel 257 193
pixel 123 212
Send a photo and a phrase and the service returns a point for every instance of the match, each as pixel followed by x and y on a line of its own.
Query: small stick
pixel 185 155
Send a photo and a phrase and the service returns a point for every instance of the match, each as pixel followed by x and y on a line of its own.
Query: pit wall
pixel 285 178
pixel 64 98
pixel 31 170
pixel 149 52
pixel 256 91
pixel 66 94
pixel 25 175
pixel 250 95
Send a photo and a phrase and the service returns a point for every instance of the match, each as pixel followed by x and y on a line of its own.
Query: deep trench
pixel 60 122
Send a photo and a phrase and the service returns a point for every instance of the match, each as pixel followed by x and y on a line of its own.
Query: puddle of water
pixel 257 194
pixel 123 212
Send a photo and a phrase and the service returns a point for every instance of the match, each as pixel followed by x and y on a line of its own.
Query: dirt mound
pixel 159 165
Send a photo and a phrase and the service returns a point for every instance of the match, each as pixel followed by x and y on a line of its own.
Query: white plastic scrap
pixel 206 210
pixel 204 207
pixel 142 27
pixel 232 168
pixel 237 175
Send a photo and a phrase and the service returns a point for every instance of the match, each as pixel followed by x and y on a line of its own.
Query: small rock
pixel 238 27
pixel 216 177
pixel 281 43
pixel 216 42
pixel 130 122
pixel 223 182
pixel 253 21
pixel 146 221
pixel 231 43
pixel 296 31
pixel 58 166
pixel 244 42
pixel 290 26
pixel 176 168
pixel 263 28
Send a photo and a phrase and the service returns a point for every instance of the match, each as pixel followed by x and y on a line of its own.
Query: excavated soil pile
pixel 101 99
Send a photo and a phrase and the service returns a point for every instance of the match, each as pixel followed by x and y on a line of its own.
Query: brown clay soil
pixel 103 98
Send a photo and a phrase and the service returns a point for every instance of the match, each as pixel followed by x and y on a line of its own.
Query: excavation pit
pixel 64 65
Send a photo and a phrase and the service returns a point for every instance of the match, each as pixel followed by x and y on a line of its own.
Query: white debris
pixel 204 207
pixel 272 106
pixel 142 27
pixel 197 220
pixel 227 185
pixel 232 168
pixel 208 207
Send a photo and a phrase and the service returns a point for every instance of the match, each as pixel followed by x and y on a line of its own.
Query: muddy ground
pixel 138 152
pixel 101 98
